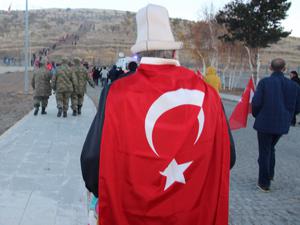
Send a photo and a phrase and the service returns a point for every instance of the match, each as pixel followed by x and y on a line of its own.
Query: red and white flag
pixel 239 116
pixel 164 155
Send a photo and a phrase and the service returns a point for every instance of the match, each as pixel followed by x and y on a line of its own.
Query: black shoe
pixel 43 111
pixel 36 111
pixel 74 113
pixel 79 109
pixel 59 113
pixel 262 188
pixel 65 114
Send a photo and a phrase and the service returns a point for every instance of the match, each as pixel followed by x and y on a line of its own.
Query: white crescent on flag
pixel 168 101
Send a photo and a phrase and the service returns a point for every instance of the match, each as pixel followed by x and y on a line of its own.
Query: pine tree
pixel 256 23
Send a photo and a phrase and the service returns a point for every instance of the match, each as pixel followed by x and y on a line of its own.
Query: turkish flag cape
pixel 164 152
pixel 239 116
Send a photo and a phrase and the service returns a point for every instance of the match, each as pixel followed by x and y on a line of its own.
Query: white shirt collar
pixel 159 61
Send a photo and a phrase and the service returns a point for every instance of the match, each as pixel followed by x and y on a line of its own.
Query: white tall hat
pixel 154 30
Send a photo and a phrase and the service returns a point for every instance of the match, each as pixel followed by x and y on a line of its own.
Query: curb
pixel 229 97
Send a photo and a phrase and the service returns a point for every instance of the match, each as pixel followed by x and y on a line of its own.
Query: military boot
pixel 36 111
pixel 79 109
pixel 74 113
pixel 59 113
pixel 65 114
pixel 43 111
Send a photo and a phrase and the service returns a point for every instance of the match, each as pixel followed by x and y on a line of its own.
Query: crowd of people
pixel 104 75
pixel 68 80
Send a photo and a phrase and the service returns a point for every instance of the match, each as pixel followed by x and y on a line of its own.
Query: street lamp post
pixel 26 87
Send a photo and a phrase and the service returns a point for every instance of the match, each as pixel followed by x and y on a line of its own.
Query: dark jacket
pixel 90 154
pixel 296 79
pixel 275 101
pixel 113 74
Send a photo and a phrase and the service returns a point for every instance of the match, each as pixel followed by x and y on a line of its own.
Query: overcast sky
pixel 186 9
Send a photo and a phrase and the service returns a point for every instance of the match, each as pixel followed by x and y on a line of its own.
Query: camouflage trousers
pixel 40 100
pixel 76 100
pixel 62 100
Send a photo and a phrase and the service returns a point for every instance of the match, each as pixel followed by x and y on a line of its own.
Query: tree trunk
pixel 254 63
pixel 225 70
pixel 203 62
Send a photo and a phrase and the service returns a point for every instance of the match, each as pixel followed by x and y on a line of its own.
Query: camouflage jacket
pixel 64 80
pixel 41 82
pixel 82 78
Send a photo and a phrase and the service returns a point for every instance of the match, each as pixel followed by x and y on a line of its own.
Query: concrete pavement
pixel 250 206
pixel 40 176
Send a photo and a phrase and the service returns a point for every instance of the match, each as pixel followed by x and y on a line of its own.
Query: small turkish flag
pixel 239 116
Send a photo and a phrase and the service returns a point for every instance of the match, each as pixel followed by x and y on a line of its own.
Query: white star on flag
pixel 174 172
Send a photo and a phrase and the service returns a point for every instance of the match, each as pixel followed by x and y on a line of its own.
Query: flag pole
pixel 26 88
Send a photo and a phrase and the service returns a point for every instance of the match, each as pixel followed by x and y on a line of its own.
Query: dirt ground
pixel 14 104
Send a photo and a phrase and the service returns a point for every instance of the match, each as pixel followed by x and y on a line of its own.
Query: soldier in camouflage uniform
pixel 42 87
pixel 63 83
pixel 82 78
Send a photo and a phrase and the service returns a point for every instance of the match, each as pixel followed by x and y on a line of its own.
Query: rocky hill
pixel 97 35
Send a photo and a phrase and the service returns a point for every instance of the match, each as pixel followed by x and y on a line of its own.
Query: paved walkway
pixel 250 206
pixel 40 177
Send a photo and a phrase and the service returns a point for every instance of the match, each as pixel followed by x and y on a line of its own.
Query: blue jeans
pixel 266 158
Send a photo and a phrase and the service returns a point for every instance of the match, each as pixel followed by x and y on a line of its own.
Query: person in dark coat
pixel 132 66
pixel 113 73
pixel 274 103
pixel 95 75
pixel 294 77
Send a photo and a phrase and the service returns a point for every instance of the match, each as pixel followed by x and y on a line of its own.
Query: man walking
pixel 162 137
pixel 275 101
pixel 63 83
pixel 82 77
pixel 41 86
pixel 104 76
pixel 294 77
pixel 212 78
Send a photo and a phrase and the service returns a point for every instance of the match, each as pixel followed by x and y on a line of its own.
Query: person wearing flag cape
pixel 158 151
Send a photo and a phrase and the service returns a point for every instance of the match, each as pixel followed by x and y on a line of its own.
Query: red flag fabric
pixel 239 116
pixel 164 152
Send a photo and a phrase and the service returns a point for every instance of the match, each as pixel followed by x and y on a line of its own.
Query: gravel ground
pixel 14 104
